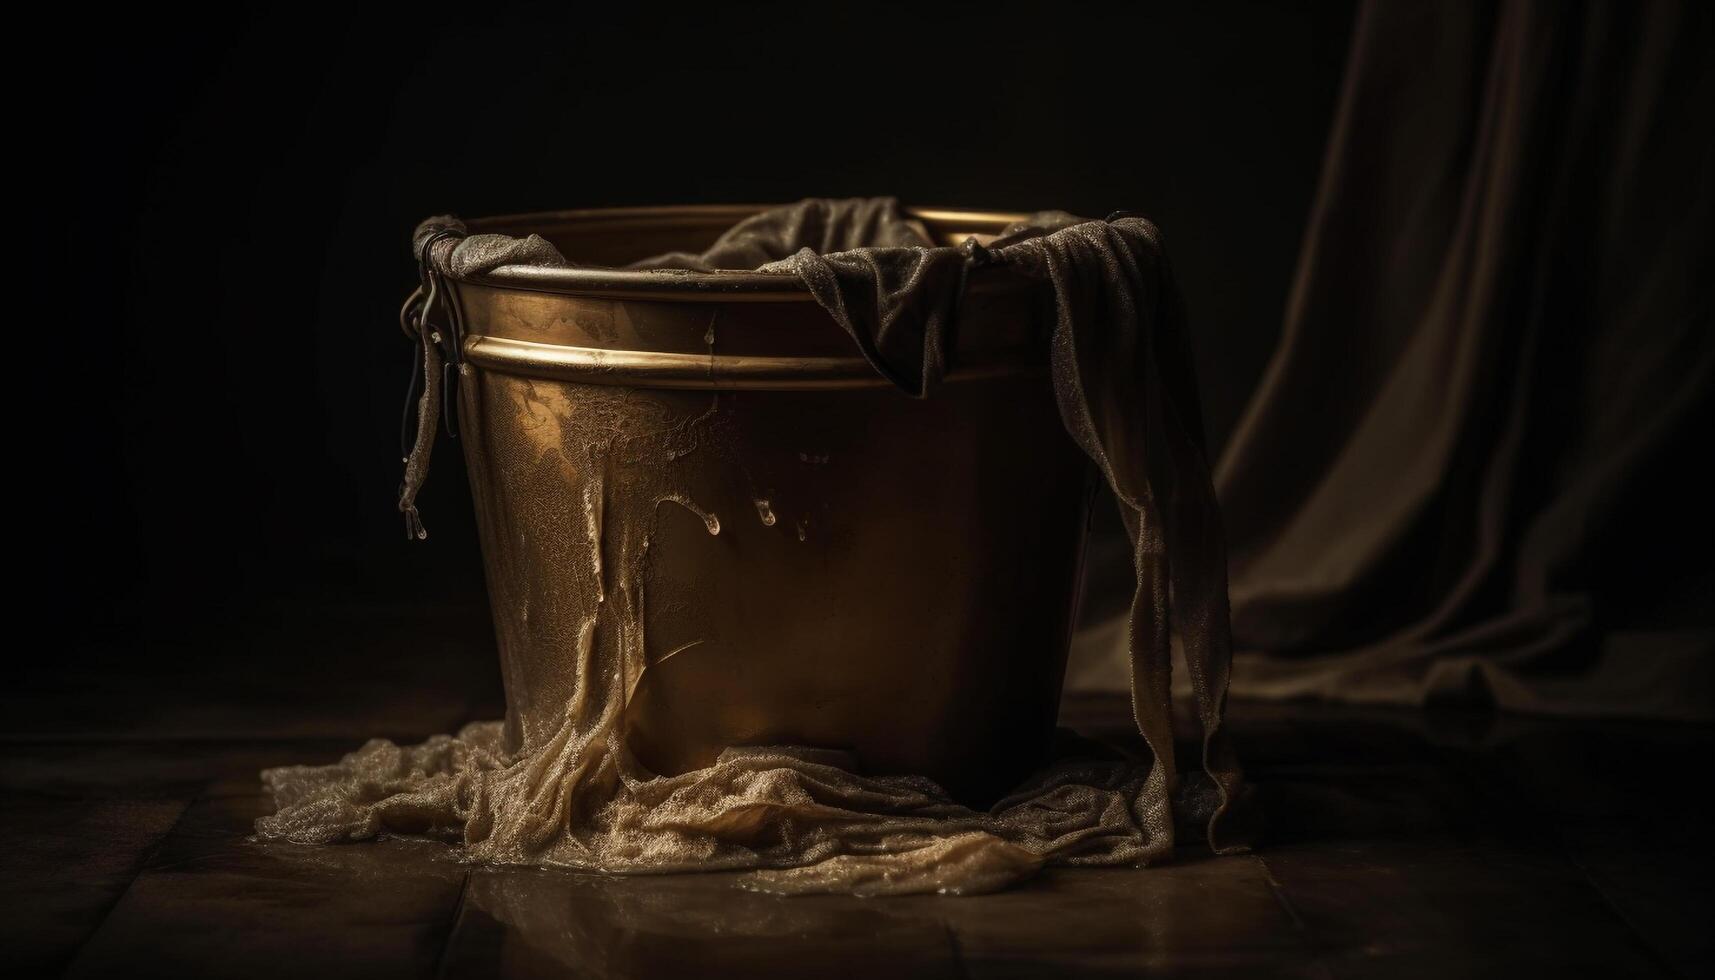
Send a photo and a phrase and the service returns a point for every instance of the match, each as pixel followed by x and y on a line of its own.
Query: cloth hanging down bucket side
pixel 710 528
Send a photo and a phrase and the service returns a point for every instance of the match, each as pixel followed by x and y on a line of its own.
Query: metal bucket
pixel 804 555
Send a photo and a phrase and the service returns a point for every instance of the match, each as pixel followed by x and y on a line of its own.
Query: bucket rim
pixel 680 284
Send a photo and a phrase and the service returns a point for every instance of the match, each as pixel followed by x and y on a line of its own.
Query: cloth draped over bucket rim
pixel 1122 376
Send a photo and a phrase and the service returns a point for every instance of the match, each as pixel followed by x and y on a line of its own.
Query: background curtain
pixel 1477 467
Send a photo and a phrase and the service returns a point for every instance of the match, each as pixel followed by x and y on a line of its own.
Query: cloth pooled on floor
pixel 801 816
pixel 1122 376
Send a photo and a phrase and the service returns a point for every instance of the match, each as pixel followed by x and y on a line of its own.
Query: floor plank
pixel 1207 917
pixel 1615 795
pixel 1396 843
pixel 211 903
pixel 1410 871
pixel 520 923
pixel 1196 917
pixel 66 860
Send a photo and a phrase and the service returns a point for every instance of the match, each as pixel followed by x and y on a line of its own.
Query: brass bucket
pixel 805 555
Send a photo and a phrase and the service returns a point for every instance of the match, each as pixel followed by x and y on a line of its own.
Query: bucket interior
pixel 620 236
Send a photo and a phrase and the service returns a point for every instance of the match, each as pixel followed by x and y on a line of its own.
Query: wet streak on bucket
pixel 922 626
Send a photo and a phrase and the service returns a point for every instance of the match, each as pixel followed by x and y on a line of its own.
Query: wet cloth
pixel 1123 382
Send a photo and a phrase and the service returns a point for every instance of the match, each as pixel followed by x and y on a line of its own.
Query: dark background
pixel 211 578
pixel 246 184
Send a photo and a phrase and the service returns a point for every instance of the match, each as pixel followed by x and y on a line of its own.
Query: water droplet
pixel 765 512
pixel 710 521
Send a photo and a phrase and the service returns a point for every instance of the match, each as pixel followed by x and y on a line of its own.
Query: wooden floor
pixel 1399 844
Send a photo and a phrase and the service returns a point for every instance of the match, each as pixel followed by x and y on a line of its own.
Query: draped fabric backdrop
pixel 1477 467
